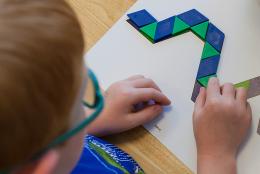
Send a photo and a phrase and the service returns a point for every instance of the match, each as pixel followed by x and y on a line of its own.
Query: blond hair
pixel 41 50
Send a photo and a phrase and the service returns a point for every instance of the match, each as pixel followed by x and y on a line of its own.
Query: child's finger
pixel 201 99
pixel 228 90
pixel 135 77
pixel 147 94
pixel 146 115
pixel 241 94
pixel 145 83
pixel 213 88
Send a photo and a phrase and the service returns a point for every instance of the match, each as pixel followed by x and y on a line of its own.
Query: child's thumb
pixel 147 114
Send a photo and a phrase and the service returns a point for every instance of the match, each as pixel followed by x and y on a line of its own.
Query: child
pixel 43 81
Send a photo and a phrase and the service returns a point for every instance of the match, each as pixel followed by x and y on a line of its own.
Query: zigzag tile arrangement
pixel 196 22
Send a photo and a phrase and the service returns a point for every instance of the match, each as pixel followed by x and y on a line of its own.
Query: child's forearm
pixel 216 164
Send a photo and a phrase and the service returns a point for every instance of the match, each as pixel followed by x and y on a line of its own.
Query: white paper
pixel 173 65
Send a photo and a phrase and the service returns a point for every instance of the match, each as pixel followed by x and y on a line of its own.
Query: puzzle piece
pixel 201 30
pixel 254 89
pixel 141 18
pixel 179 26
pixel 133 24
pixel 193 17
pixel 209 51
pixel 208 66
pixel 164 29
pixel 196 91
pixel 245 84
pixel 205 80
pixel 149 31
pixel 252 85
pixel 215 37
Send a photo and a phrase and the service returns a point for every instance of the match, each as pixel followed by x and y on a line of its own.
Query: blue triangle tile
pixel 164 29
pixel 141 18
pixel 215 37
pixel 208 66
pixel 193 17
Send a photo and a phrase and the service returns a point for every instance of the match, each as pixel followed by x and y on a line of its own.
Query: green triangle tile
pixel 201 30
pixel 179 26
pixel 205 80
pixel 209 51
pixel 149 30
pixel 245 84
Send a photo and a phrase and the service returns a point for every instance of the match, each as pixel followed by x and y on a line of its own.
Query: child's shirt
pixel 100 157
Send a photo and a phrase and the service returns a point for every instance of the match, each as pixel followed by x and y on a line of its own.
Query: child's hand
pixel 221 121
pixel 120 100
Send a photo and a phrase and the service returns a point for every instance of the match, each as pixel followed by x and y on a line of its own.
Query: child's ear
pixel 45 165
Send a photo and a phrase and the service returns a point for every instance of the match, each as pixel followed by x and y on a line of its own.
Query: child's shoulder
pixel 99 156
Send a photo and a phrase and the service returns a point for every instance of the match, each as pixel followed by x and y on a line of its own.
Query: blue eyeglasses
pixel 93 100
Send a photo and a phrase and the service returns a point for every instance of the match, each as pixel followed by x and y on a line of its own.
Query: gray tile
pixel 196 91
pixel 254 89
